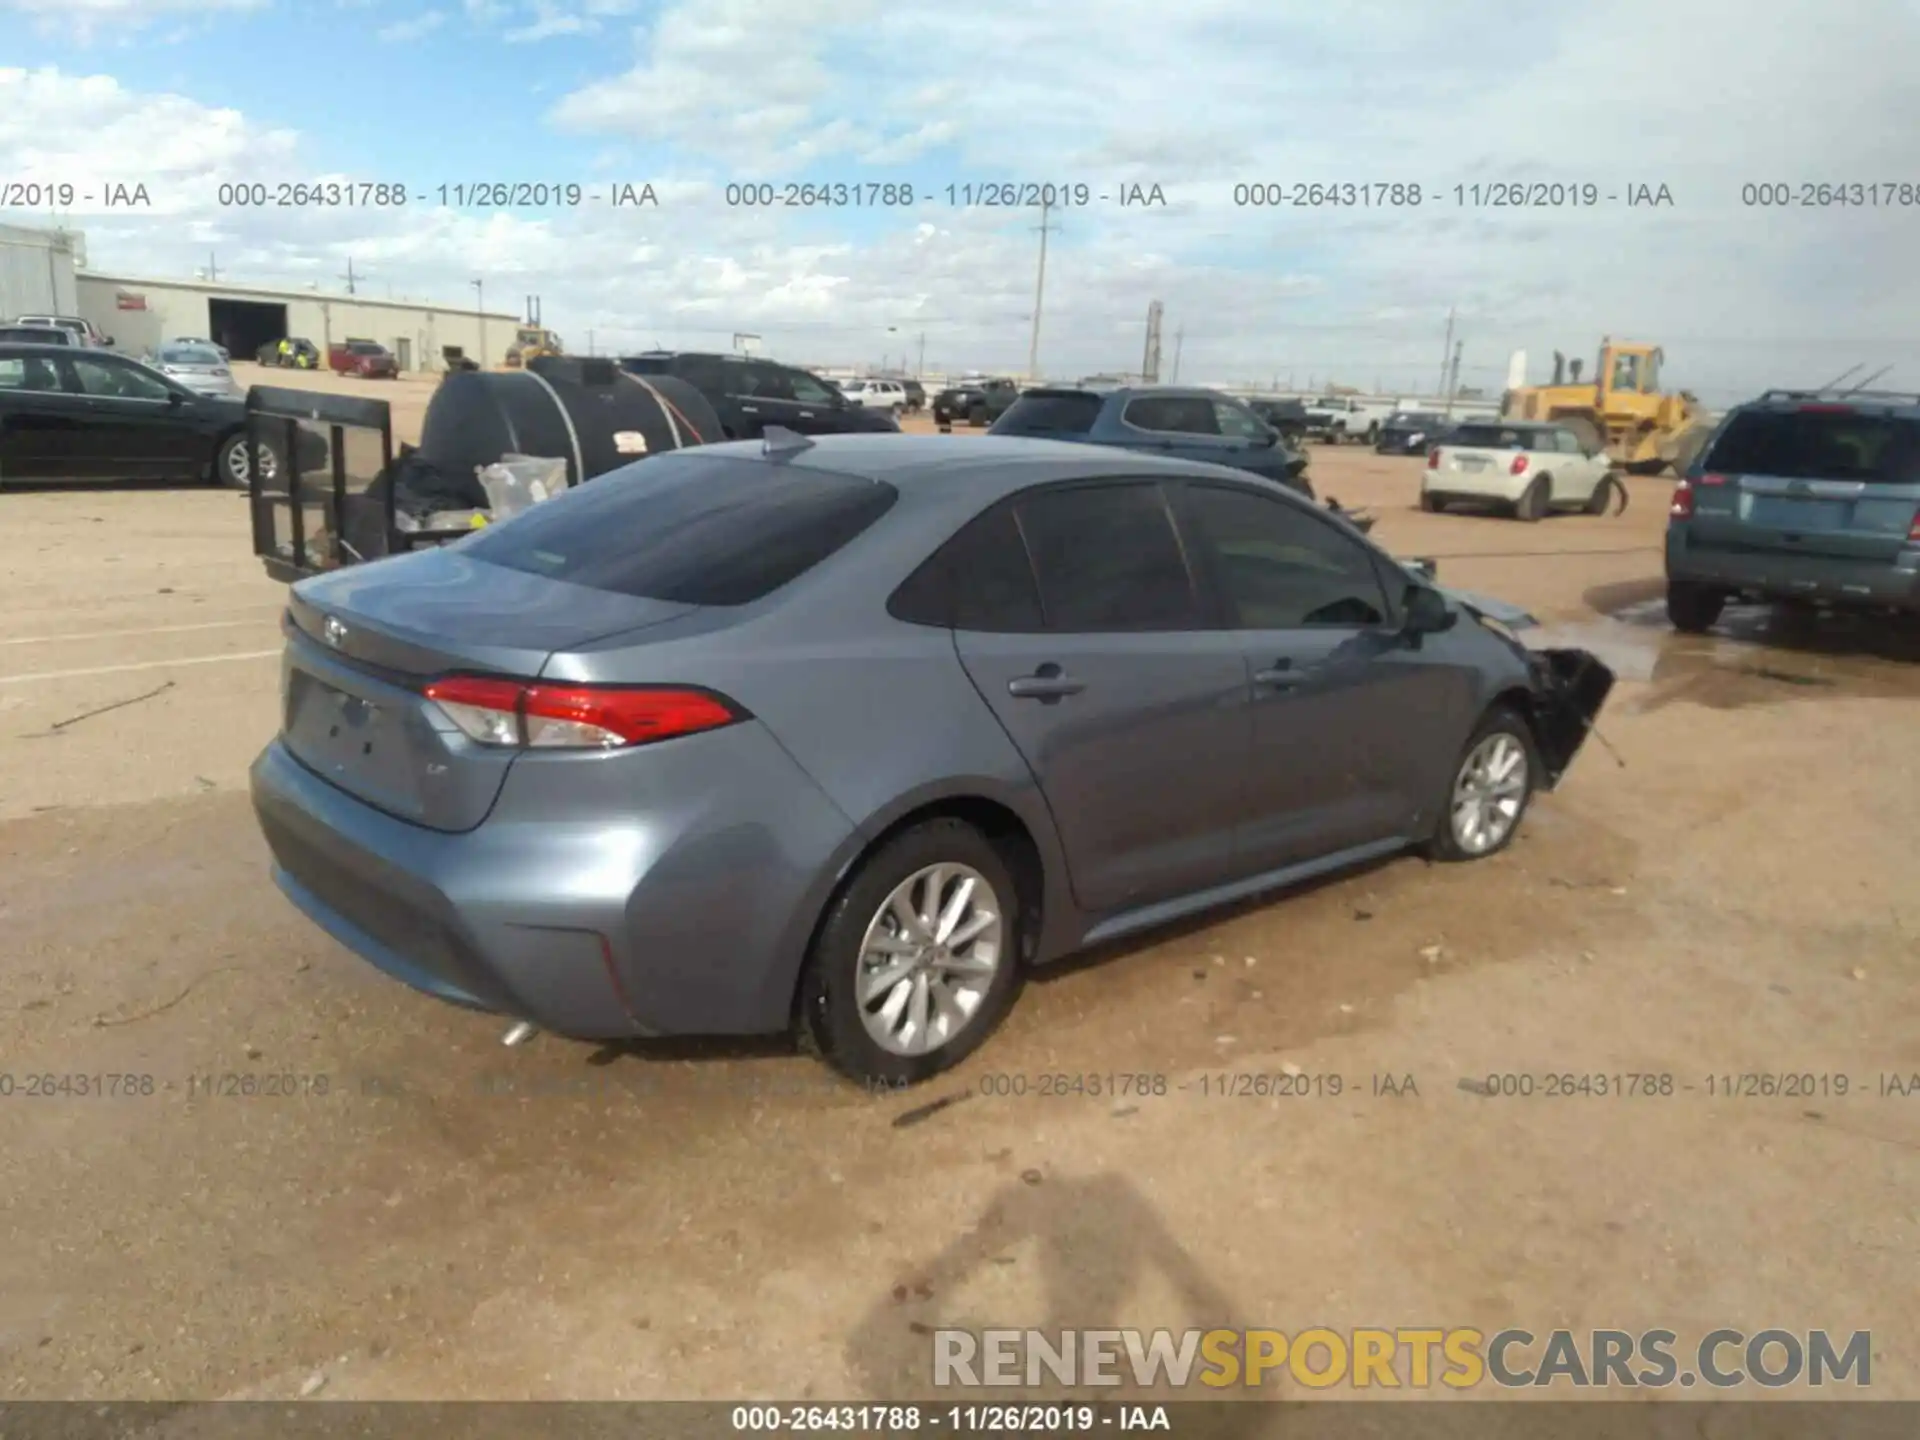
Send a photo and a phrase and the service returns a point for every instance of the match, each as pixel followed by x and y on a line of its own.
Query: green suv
pixel 1800 495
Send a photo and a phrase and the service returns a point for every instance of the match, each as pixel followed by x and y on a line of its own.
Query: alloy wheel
pixel 1489 793
pixel 928 959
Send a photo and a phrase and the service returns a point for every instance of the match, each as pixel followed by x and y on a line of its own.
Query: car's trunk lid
pixel 363 642
pixel 1475 459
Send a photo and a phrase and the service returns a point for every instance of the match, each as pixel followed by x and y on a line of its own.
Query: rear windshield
pixel 1496 437
pixel 1049 415
pixel 190 355
pixel 691 529
pixel 1818 445
pixel 366 347
pixel 31 335
pixel 1412 417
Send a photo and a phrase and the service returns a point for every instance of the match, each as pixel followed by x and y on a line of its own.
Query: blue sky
pixel 695 95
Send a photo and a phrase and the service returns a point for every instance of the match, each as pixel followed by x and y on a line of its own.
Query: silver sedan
pixel 198 367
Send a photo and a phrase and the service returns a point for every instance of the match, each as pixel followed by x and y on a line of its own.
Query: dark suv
pixel 1800 495
pixel 977 402
pixel 1162 420
pixel 749 394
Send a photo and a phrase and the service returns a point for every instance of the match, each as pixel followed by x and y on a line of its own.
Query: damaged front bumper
pixel 1569 687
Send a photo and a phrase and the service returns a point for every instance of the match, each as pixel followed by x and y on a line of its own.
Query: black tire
pixel 1532 506
pixel 1432 503
pixel 1446 845
pixel 1692 608
pixel 1603 495
pixel 977 417
pixel 829 1014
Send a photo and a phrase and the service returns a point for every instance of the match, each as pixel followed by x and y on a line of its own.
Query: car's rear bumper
pixel 1489 484
pixel 1779 574
pixel 692 919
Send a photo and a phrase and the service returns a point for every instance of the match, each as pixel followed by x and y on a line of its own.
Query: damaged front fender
pixel 1569 687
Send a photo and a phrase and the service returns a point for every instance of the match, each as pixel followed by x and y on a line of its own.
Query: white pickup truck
pixel 1339 418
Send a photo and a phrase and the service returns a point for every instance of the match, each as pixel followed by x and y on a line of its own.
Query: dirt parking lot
pixel 1722 888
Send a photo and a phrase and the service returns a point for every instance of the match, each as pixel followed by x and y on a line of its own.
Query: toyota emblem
pixel 335 632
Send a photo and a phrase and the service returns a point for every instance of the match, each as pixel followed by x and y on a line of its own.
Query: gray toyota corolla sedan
pixel 845 736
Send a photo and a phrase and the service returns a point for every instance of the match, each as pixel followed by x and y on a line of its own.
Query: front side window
pixel 806 389
pixel 1281 568
pixel 1236 423
pixel 1107 558
pixel 117 380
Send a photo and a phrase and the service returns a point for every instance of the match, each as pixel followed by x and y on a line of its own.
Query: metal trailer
pixel 333 454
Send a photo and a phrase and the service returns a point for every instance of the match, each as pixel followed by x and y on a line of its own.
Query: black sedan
pixel 1412 432
pixel 70 414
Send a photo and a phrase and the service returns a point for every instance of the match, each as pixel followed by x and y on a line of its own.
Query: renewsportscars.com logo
pixel 1368 1358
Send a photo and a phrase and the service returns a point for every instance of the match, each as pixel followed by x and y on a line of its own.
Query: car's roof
pixel 1878 402
pixel 989 466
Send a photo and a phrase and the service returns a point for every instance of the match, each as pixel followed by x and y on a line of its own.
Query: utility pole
pixel 1446 351
pixel 350 277
pixel 1453 374
pixel 923 356
pixel 213 270
pixel 1039 293
pixel 480 314
pixel 1178 336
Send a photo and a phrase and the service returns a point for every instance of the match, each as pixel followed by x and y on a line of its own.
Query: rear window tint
pixel 1050 415
pixel 695 530
pixel 1813 445
pixel 1499 437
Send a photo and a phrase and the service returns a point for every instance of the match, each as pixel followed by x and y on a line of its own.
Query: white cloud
pixel 412 28
pixel 548 21
pixel 1695 94
pixel 89 20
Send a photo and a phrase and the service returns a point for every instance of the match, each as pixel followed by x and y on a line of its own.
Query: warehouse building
pixel 38 271
pixel 140 312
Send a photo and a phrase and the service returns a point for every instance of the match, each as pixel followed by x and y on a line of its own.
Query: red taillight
pixel 1913 530
pixel 577 717
pixel 1520 463
pixel 1682 506
pixel 1433 458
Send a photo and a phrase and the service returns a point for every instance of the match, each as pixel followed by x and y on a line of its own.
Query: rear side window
pixel 1107 558
pixel 981 579
pixel 690 529
pixel 1818 445
pixel 1050 415
pixel 1173 414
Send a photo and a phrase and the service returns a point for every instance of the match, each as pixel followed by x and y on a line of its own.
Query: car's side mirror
pixel 1267 439
pixel 176 397
pixel 1427 611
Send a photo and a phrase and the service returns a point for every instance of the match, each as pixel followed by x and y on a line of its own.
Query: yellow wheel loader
pixel 1621 409
pixel 530 342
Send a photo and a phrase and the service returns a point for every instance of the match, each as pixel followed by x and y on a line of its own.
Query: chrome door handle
pixel 1047 683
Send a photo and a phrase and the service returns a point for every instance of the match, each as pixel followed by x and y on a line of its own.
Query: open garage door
pixel 243 326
